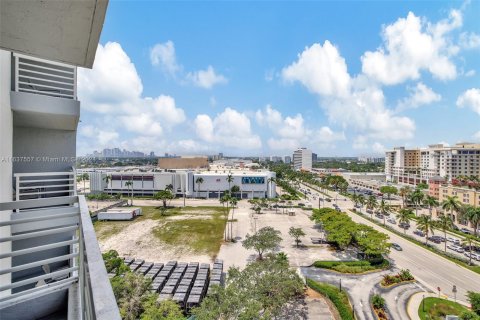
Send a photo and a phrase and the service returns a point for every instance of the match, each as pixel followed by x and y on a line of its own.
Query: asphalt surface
pixel 432 270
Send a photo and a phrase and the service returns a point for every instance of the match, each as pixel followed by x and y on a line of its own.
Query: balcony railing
pixel 44 77
pixel 80 270
pixel 44 185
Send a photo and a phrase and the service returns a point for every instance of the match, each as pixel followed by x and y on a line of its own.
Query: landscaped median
pixel 337 297
pixel 432 308
pixel 391 280
pixel 354 267
pixel 450 257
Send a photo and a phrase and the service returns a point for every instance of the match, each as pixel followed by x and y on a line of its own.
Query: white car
pixel 450 239
pixel 459 250
pixel 451 246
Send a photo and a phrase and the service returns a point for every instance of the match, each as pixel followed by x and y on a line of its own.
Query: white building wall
pixel 6 152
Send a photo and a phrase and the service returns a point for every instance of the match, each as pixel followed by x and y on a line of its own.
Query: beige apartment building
pixel 465 195
pixel 413 166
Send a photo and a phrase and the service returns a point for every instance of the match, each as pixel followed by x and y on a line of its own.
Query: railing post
pixel 81 258
pixel 16 72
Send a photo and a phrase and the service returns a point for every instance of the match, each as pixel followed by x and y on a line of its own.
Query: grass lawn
pixel 200 230
pixel 436 308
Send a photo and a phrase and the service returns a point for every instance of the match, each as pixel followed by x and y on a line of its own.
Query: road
pixel 428 268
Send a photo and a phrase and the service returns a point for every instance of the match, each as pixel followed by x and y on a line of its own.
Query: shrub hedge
pixel 352 266
pixel 338 298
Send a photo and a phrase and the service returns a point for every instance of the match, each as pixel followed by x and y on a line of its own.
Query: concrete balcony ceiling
pixel 64 31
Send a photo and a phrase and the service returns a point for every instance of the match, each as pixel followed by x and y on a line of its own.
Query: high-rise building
pixel 314 157
pixel 302 159
pixel 287 159
pixel 412 166
pixel 51 264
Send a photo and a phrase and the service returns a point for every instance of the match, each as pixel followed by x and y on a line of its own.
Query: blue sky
pixel 262 78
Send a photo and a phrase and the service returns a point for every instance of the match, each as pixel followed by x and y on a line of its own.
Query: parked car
pixel 451 240
pixel 392 221
pixel 396 246
pixel 404 225
pixel 419 233
pixel 328 199
pixel 451 246
pixel 459 249
pixel 439 238
pixel 379 216
pixel 466 231
pixel 434 240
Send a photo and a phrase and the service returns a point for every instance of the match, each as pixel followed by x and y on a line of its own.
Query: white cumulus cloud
pixel 470 99
pixel 411 45
pixel 419 95
pixel 163 55
pixel 229 128
pixel 206 78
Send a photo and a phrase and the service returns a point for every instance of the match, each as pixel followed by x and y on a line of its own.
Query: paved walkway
pixel 414 303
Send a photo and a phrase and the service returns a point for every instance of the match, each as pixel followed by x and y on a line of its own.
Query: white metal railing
pixel 82 263
pixel 44 77
pixel 44 185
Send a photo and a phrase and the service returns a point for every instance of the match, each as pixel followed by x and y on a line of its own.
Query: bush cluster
pixel 352 266
pixel 403 275
pixel 338 298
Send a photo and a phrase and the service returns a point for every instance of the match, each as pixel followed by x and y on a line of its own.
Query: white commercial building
pixel 207 184
pixel 302 159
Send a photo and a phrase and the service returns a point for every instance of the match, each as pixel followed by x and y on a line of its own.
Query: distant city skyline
pixel 340 80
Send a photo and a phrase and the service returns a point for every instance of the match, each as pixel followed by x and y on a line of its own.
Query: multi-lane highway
pixel 429 268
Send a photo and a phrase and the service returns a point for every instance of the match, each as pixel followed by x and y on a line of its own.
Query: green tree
pixel 233 202
pixel 372 204
pixel 384 209
pixel 472 215
pixel 468 241
pixel 226 199
pixel 425 224
pixel 198 181
pixel 296 233
pixel 164 196
pixel 265 239
pixel 229 180
pixel 262 290
pixel 422 186
pixel 445 223
pixel 388 190
pixel 129 185
pixel 164 310
pixel 404 192
pixel 235 190
pixel 107 179
pixel 451 204
pixel 361 201
pixel 404 216
pixel 113 263
pixel 430 202
pixel 417 197
pixel 130 294
pixel 474 299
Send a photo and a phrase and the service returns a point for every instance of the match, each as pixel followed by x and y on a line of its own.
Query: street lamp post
pixel 423 303
pixel 340 284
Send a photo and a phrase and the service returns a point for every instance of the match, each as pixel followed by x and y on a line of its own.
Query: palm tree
pixel 445 223
pixel 226 199
pixel 404 216
pixel 404 192
pixel 129 184
pixel 472 215
pixel 384 208
pixel 425 224
pixel 233 202
pixel 361 200
pixel 430 202
pixel 198 181
pixel 371 204
pixel 229 180
pixel 467 241
pixel 235 190
pixel 417 197
pixel 108 179
pixel 452 204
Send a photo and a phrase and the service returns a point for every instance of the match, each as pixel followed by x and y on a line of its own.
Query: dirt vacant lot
pixel 185 234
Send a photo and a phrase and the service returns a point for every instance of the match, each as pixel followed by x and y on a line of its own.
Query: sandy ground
pixel 138 241
pixel 234 254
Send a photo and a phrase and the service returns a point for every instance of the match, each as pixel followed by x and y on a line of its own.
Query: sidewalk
pixel 414 303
